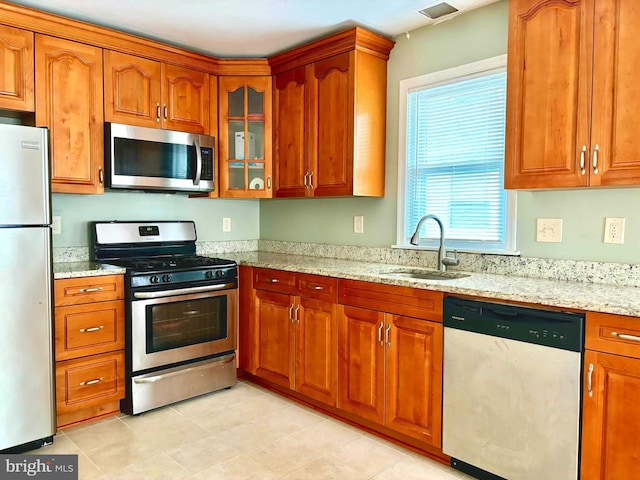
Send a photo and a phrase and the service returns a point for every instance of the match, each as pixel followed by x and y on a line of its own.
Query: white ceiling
pixel 247 28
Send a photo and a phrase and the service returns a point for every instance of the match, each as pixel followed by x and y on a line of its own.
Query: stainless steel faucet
pixel 443 260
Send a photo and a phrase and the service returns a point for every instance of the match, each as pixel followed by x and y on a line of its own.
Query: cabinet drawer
pixel 274 280
pixel 616 334
pixel 89 329
pixel 317 287
pixel 89 381
pixel 411 302
pixel 75 291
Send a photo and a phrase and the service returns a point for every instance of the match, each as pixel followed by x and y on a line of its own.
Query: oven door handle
pixel 156 378
pixel 183 291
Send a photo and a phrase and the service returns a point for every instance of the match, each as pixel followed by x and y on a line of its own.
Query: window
pixel 451 158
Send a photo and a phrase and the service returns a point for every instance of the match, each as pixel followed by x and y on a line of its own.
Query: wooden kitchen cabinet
pixel 329 117
pixel 89 347
pixel 69 103
pixel 611 398
pixel 295 332
pixel 155 95
pixel 16 69
pixel 245 137
pixel 571 94
pixel 390 364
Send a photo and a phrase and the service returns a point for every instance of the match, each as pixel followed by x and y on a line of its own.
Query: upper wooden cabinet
pixel 245 137
pixel 16 69
pixel 329 116
pixel 571 94
pixel 155 95
pixel 69 103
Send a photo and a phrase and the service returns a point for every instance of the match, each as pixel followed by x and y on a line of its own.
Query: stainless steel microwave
pixel 140 158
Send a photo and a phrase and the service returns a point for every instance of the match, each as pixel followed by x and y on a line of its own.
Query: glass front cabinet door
pixel 245 137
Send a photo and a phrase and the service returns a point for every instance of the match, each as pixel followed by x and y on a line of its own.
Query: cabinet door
pixel 131 90
pixel 414 377
pixel 185 105
pixel 316 350
pixel 274 337
pixel 291 146
pixel 16 69
pixel 245 137
pixel 361 365
pixel 611 417
pixel 69 103
pixel 331 126
pixel 616 96
pixel 548 93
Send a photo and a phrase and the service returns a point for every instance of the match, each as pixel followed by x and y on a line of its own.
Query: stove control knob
pixel 154 279
pixel 208 274
pixel 166 278
pixel 219 273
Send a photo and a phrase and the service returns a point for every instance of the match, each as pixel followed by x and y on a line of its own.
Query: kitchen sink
pixel 425 274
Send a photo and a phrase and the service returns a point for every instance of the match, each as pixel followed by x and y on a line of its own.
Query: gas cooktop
pixel 168 263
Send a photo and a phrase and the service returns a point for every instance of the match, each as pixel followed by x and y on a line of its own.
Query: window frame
pixel 443 77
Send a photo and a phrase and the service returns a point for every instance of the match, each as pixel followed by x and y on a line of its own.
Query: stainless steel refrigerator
pixel 27 408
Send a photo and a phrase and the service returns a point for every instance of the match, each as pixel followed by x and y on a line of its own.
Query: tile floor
pixel 245 433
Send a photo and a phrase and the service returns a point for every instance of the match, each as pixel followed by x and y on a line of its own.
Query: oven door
pixel 169 327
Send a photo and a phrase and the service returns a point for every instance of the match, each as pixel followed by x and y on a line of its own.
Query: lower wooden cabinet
pixel 94 383
pixel 295 332
pixel 611 398
pixel 390 371
pixel 89 347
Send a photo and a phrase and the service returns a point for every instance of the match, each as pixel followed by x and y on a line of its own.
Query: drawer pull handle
pixel 589 379
pixel 624 336
pixel 91 382
pixel 315 287
pixel 91 329
pixel 92 289
pixel 273 280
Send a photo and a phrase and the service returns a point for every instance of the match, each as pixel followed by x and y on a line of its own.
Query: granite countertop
pixel 83 269
pixel 565 294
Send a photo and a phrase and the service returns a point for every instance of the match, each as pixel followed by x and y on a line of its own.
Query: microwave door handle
pixel 196 180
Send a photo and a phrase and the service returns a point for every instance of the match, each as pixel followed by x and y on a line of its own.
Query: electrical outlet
pixel 56 225
pixel 358 224
pixel 614 230
pixel 226 224
pixel 549 230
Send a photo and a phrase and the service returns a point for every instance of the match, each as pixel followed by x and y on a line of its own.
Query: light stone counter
pixel 624 300
pixel 597 297
pixel 83 269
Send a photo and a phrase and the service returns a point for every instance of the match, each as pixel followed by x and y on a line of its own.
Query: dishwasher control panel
pixel 552 328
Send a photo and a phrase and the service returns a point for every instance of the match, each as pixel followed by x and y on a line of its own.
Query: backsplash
pixel 623 274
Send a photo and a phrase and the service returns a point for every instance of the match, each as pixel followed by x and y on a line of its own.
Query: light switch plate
pixel 358 224
pixel 614 230
pixel 549 230
pixel 226 224
pixel 56 225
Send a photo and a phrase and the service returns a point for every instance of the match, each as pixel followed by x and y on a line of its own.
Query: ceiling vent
pixel 438 10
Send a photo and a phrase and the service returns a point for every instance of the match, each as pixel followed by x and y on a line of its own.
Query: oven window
pixel 142 158
pixel 179 324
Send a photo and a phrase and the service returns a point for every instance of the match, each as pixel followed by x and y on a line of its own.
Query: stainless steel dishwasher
pixel 511 390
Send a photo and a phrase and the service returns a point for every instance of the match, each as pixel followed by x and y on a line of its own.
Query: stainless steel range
pixel 181 311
